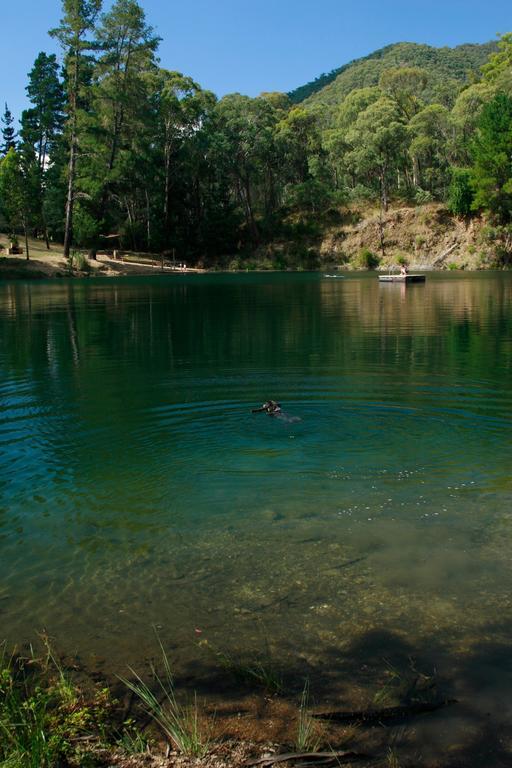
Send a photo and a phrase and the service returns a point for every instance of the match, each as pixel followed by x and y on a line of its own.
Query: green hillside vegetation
pixel 447 67
pixel 120 153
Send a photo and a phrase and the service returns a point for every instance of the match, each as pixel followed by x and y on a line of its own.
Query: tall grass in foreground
pixel 307 737
pixel 181 724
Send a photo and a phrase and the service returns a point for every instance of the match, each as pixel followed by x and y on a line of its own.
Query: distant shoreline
pixel 426 238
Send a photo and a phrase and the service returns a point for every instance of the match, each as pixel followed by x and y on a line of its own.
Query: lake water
pixel 137 489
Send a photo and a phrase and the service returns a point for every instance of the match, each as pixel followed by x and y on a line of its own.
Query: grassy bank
pixel 53 715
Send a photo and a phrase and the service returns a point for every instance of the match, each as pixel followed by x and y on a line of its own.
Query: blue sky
pixel 263 45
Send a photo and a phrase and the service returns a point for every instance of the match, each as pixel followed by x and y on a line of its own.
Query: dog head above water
pixel 270 407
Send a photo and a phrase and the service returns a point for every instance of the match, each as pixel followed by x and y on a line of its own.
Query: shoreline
pixel 54 268
pixel 426 238
pixel 236 723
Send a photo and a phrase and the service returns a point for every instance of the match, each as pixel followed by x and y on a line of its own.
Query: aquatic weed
pixel 261 672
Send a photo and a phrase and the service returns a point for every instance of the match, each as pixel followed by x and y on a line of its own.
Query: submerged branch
pixel 387 715
pixel 314 758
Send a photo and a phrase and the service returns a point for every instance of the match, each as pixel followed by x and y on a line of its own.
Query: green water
pixel 137 489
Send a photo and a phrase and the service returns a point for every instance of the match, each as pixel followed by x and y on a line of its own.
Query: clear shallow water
pixel 136 488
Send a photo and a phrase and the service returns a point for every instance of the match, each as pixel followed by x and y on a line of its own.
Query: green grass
pixel 307 737
pixel 45 720
pixel 182 724
pixel 132 741
pixel 24 736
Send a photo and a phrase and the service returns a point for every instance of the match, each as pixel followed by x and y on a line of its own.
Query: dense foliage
pixel 116 151
pixel 447 68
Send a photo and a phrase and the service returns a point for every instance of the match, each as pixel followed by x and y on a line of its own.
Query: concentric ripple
pixel 138 489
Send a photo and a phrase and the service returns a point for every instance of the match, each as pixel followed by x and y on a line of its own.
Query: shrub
pixel 460 192
pixel 77 261
pixel 500 239
pixel 366 259
pixel 483 260
pixel 360 192
pixel 422 196
pixel 81 262
pixel 46 720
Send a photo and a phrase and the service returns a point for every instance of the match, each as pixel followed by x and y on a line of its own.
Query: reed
pixel 308 738
pixel 182 724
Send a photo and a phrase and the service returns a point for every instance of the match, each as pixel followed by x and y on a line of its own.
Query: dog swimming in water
pixel 273 408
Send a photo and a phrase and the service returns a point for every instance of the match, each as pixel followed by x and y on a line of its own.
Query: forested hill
pixel 446 67
pixel 118 152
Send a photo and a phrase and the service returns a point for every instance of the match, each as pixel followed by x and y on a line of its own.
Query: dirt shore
pixel 44 263
pixel 427 237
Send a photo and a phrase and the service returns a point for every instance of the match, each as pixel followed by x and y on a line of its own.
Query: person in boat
pixel 271 407
pixel 403 269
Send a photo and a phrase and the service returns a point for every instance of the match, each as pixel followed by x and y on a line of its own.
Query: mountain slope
pixel 443 65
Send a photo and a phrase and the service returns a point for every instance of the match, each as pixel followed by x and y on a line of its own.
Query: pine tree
pixel 8 132
pixel 121 113
pixel 77 22
pixel 42 124
pixel 41 130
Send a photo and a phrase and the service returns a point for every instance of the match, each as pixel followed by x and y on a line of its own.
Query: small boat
pixel 338 277
pixel 401 278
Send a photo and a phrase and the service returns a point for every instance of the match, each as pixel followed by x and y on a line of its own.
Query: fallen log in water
pixel 442 256
pixel 385 716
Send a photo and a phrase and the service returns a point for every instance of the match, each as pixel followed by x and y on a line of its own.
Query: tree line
pixel 117 151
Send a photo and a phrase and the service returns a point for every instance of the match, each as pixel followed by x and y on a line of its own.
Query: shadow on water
pixel 474 731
